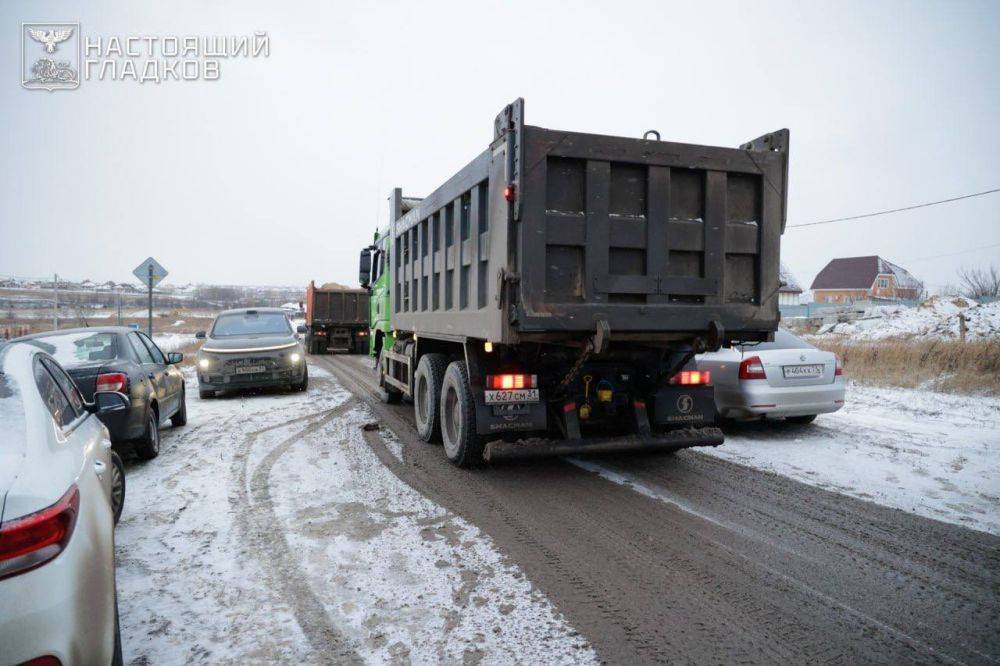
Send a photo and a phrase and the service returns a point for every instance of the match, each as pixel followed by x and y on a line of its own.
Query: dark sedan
pixel 251 348
pixel 116 358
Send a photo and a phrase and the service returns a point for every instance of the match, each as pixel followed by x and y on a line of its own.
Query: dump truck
pixel 550 296
pixel 336 319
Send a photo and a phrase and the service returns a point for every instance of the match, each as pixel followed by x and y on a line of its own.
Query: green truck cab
pixel 375 276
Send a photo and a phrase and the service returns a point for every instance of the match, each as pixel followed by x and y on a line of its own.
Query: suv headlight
pixel 295 357
pixel 204 363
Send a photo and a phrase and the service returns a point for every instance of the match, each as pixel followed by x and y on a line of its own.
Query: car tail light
pixel 33 540
pixel 47 660
pixel 112 381
pixel 839 372
pixel 752 368
pixel 502 382
pixel 692 378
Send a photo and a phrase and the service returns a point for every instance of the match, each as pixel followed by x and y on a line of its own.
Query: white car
pixel 786 378
pixel 57 477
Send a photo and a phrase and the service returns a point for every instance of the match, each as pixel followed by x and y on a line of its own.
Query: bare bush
pixel 977 283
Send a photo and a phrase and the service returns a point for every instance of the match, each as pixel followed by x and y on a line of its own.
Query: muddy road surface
pixel 692 558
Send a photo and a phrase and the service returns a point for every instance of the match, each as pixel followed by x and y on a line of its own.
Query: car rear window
pixel 73 349
pixel 782 340
pixel 251 323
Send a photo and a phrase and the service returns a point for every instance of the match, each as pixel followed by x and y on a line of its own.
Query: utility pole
pixel 149 284
pixel 55 300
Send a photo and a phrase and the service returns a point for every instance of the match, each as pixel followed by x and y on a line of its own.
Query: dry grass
pixel 941 365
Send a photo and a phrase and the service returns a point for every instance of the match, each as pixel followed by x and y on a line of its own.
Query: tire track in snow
pixel 265 538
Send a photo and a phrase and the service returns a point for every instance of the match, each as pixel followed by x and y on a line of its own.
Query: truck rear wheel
pixel 458 418
pixel 427 382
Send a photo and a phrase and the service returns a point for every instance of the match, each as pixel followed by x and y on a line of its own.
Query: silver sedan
pixel 58 478
pixel 786 378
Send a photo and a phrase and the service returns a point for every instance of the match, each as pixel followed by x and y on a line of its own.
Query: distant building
pixel 789 293
pixel 851 279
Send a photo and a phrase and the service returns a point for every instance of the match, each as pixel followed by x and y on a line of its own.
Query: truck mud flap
pixel 673 440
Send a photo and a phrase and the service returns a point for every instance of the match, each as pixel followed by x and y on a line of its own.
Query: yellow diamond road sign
pixel 150 272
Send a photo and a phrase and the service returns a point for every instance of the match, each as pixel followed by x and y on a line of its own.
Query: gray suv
pixel 251 348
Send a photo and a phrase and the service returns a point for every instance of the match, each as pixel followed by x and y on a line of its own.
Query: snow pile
pixel 937 317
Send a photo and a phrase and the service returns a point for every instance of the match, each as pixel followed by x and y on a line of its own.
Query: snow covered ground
pixel 936 317
pixel 169 342
pixel 933 454
pixel 268 531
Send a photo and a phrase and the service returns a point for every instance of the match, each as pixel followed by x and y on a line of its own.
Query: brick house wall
pixel 839 295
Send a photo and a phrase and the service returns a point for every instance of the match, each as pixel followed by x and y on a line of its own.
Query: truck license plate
pixel 249 369
pixel 506 396
pixel 802 371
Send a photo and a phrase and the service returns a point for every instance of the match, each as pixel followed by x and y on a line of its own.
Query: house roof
pixel 789 284
pixel 860 273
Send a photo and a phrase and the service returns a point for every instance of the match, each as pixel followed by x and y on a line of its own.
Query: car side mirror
pixel 301 329
pixel 365 268
pixel 113 401
pixel 173 358
pixel 200 335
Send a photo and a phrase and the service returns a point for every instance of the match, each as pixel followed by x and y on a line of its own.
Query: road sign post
pixel 151 273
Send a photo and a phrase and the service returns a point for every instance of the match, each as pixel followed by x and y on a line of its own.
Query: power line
pixel 952 254
pixel 895 210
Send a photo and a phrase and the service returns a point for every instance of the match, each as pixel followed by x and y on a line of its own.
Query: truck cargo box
pixel 551 233
pixel 336 306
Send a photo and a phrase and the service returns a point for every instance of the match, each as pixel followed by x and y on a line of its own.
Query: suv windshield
pixel 72 349
pixel 251 323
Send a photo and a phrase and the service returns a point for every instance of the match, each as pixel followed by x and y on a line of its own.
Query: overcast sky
pixel 278 172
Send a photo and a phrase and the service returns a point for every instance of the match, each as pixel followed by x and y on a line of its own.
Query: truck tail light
pixel 752 368
pixel 503 382
pixel 839 372
pixel 33 540
pixel 112 381
pixel 692 378
pixel 509 193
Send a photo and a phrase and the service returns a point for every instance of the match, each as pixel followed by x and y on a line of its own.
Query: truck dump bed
pixel 550 233
pixel 336 306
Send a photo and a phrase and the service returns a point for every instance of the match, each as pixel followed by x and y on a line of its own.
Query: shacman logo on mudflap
pixel 685 403
pixel 50 56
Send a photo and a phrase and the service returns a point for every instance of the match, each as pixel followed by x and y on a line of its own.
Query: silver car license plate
pixel 507 396
pixel 802 371
pixel 249 369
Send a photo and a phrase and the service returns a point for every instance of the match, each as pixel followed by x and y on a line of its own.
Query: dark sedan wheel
pixel 148 447
pixel 117 485
pixel 181 417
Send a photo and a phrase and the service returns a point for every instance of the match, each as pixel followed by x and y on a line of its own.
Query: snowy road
pixel 273 528
pixel 934 454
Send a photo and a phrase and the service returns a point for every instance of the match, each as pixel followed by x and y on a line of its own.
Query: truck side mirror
pixel 365 270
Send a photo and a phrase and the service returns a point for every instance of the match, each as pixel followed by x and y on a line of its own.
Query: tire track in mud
pixel 721 598
pixel 263 532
